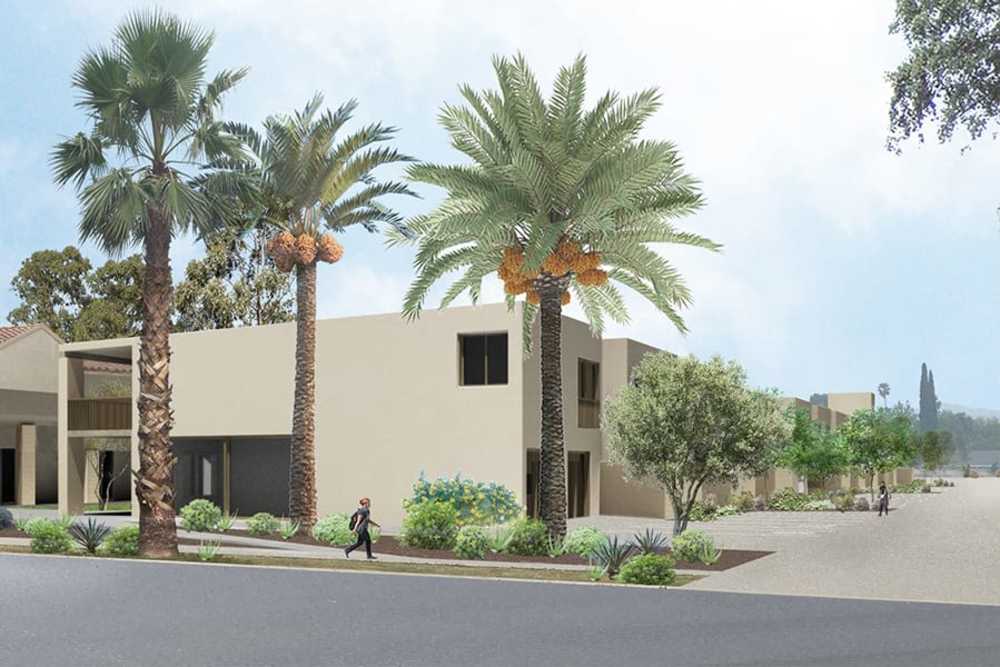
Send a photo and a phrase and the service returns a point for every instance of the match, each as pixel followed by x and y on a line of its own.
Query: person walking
pixel 360 521
pixel 883 500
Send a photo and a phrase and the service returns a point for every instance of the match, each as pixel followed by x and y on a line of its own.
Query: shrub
pixel 974 474
pixel 289 529
pixel 966 470
pixel 649 570
pixel 861 504
pixel 89 535
pixel 476 503
pixel 694 545
pixel 333 529
pixel 263 523
pixel 123 541
pixel 726 510
pixel 207 551
pixel 612 555
pixel 50 537
pixel 6 519
pixel 36 524
pixel 471 543
pixel 787 500
pixel 844 502
pixel 200 515
pixel 582 541
pixel 650 541
pixel 745 502
pixel 915 486
pixel 499 538
pixel 818 506
pixel 226 523
pixel 926 488
pixel 430 525
pixel 555 546
pixel 760 503
pixel 528 537
pixel 702 511
pixel 374 532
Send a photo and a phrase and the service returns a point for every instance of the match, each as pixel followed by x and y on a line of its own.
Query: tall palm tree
pixel 140 178
pixel 554 193
pixel 306 181
pixel 883 391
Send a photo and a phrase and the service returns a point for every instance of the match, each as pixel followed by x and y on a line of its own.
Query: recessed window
pixel 482 359
pixel 588 388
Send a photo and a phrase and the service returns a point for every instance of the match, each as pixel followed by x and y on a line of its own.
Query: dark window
pixel 588 389
pixel 483 359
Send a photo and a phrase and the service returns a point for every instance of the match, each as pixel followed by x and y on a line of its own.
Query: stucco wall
pixel 28 363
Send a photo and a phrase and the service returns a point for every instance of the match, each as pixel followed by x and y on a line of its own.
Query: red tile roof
pixel 10 333
pixel 90 366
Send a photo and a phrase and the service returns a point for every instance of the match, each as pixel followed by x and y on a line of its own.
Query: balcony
pixel 100 414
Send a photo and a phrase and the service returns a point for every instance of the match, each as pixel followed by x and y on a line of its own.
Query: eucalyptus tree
pixel 309 181
pixel 142 176
pixel 556 199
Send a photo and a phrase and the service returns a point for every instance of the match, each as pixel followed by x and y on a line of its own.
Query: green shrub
pixel 472 543
pixel 787 500
pixel 817 505
pixel 726 510
pixel 694 546
pixel 31 526
pixel 263 523
pixel 207 551
pixel 583 541
pixel 844 502
pixel 123 541
pixel 333 529
pixel 476 503
pixel 926 488
pixel 529 537
pixel 861 504
pixel 702 511
pixel 200 515
pixel 50 537
pixel 430 525
pixel 916 486
pixel 649 570
pixel 744 502
pixel 499 537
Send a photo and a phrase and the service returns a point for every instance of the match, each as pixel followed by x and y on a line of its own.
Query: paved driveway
pixel 944 546
pixel 86 612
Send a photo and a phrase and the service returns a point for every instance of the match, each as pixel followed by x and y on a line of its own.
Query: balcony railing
pixel 100 414
pixel 589 413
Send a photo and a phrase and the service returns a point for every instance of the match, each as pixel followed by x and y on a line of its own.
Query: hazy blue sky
pixel 844 266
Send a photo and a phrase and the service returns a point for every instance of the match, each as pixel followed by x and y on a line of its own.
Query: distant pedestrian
pixel 360 521
pixel 883 500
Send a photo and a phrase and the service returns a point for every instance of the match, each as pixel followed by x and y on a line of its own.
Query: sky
pixel 843 265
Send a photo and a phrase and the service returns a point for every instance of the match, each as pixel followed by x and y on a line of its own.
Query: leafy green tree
pixel 935 449
pixel 52 287
pixel 115 306
pixel 950 77
pixel 812 451
pixel 310 178
pixel 683 423
pixel 235 284
pixel 150 166
pixel 551 193
pixel 878 441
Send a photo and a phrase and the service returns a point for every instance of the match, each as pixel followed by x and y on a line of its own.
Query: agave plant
pixel 208 550
pixel 89 535
pixel 227 522
pixel 650 541
pixel 500 538
pixel 556 546
pixel 289 529
pixel 612 554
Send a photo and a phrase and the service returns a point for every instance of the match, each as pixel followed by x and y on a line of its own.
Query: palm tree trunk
pixel 302 468
pixel 552 472
pixel 154 485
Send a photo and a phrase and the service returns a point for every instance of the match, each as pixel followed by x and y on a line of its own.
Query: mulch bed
pixel 12 532
pixel 390 545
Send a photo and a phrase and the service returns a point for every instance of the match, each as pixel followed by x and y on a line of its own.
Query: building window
pixel 482 359
pixel 589 382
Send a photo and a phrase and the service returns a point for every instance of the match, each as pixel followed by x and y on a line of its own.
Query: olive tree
pixel 935 449
pixel 878 441
pixel 682 423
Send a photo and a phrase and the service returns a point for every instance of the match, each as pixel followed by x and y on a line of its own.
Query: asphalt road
pixel 74 611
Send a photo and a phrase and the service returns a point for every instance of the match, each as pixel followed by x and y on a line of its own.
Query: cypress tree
pixel 933 402
pixel 924 398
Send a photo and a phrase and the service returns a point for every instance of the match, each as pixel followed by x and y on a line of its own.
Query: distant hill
pixel 985 413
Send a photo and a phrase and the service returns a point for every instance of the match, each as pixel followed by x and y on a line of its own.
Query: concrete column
pixel 70 454
pixel 25 461
pixel 134 449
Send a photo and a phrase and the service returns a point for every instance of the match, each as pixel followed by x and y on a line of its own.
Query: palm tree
pixel 883 391
pixel 152 116
pixel 307 183
pixel 553 194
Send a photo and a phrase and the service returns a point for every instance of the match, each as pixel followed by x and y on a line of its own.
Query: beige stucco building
pixel 448 393
pixel 28 415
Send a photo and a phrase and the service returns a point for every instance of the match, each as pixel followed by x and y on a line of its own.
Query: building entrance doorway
pixel 8 476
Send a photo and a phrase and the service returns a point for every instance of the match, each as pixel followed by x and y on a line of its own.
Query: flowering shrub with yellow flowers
pixel 477 503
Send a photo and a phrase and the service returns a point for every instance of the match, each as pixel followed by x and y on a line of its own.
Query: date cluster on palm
pixel 567 258
pixel 288 250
